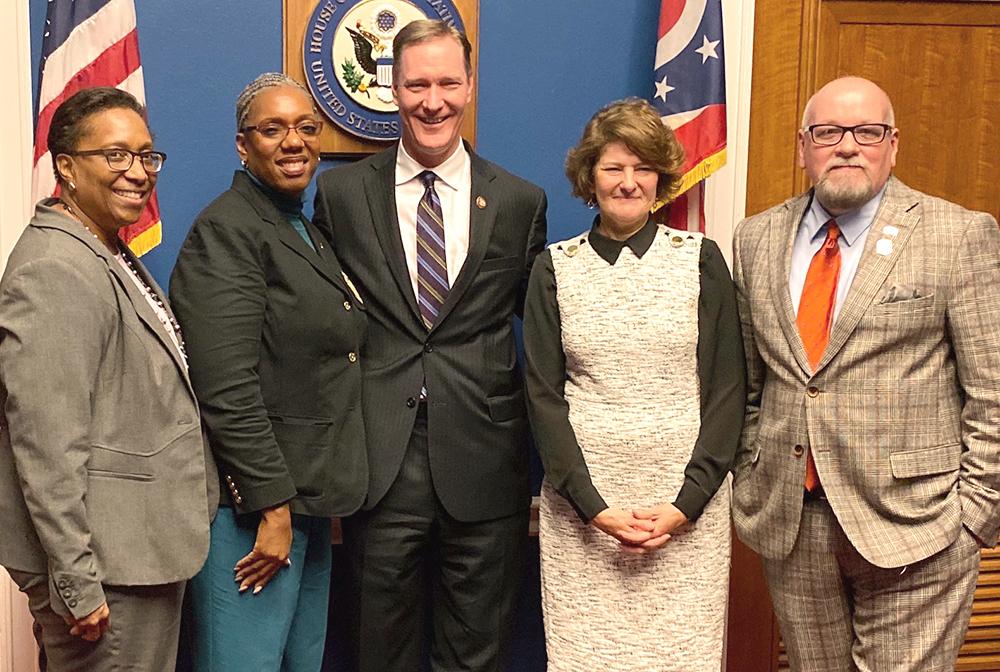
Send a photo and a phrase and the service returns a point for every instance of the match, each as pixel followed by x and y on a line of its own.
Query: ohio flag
pixel 89 43
pixel 689 76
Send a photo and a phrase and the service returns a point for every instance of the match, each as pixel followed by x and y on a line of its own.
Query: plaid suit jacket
pixel 903 412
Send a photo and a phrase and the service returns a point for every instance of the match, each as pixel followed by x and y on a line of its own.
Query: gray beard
pixel 843 198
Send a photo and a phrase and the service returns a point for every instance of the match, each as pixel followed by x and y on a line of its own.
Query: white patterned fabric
pixel 630 334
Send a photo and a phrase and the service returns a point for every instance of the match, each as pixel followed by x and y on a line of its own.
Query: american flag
pixel 689 75
pixel 89 43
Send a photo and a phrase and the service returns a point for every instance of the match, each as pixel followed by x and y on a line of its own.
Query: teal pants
pixel 280 629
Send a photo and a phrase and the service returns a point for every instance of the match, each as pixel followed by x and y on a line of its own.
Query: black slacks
pixel 411 561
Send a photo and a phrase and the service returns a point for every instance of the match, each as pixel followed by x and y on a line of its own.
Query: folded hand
pixel 623 526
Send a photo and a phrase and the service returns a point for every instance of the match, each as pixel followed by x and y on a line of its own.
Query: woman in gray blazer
pixel 274 329
pixel 103 500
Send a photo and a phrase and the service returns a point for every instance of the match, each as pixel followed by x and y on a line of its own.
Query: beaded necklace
pixel 168 321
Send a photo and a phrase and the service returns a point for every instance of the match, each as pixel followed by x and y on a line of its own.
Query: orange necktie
pixel 819 294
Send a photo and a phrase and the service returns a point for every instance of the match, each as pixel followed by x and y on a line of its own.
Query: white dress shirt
pixel 454 188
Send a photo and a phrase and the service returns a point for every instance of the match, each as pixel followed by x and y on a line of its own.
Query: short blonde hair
pixel 636 124
pixel 425 30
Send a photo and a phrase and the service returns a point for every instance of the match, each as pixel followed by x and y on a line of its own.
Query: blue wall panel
pixel 545 67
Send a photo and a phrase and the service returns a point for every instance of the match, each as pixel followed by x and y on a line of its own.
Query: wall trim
pixel 725 191
pixel 17 646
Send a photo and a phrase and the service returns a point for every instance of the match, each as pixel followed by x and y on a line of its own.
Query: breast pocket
pixel 499 264
pixel 902 309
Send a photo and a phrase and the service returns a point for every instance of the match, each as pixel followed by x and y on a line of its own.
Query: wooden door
pixel 940 64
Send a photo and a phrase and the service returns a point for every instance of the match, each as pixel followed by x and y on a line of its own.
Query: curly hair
pixel 636 124
pixel 69 122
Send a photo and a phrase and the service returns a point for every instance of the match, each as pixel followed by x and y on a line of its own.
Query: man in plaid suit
pixel 868 475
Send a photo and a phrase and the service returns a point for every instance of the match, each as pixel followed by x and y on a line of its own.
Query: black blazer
pixel 273 333
pixel 477 428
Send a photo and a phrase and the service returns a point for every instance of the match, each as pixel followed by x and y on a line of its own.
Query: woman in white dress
pixel 636 388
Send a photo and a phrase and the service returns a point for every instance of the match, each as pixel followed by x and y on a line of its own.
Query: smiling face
pixel 847 175
pixel 105 199
pixel 625 189
pixel 285 164
pixel 432 89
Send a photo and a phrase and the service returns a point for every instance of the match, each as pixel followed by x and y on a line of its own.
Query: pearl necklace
pixel 168 321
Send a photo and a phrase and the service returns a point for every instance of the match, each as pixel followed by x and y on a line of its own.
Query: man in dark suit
pixel 439 243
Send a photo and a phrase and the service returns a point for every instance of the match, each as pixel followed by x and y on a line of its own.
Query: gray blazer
pixel 102 460
pixel 903 412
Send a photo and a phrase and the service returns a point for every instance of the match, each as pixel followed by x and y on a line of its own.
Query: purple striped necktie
pixel 432 265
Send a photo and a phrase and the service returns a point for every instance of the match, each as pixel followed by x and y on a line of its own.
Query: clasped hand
pixel 270 550
pixel 640 530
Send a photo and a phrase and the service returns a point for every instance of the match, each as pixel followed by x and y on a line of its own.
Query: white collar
pixel 449 172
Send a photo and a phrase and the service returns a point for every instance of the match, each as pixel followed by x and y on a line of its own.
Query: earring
pixel 72 187
pixel 592 203
pixel 243 162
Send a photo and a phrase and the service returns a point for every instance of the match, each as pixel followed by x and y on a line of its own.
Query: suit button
pixel 812 391
pixel 411 402
pixel 71 603
pixel 428 347
pixel 229 479
pixel 63 583
pixel 347 305
pixel 352 357
pixel 798 450
pixel 67 594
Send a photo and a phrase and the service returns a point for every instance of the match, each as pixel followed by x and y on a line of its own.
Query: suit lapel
pixel 142 308
pixel 784 226
pixel 481 222
pixel 145 313
pixel 289 237
pixel 317 258
pixel 899 209
pixel 380 189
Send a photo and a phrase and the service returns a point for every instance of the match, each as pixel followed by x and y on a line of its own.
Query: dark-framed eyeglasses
pixel 120 160
pixel 275 132
pixel 827 135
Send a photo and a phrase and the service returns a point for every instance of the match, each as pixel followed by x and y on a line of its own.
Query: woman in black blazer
pixel 273 330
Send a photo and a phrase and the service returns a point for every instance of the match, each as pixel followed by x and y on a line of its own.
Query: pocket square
pixel 897 293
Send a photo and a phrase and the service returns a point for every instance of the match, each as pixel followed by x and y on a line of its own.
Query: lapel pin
pixel 890 230
pixel 480 202
pixel 883 247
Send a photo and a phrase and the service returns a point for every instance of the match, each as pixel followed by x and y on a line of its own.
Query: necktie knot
pixel 428 177
pixel 832 234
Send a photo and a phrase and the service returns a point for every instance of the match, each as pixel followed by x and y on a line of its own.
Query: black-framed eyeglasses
pixel 827 135
pixel 275 132
pixel 120 160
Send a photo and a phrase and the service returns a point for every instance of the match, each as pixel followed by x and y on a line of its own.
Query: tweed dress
pixel 630 334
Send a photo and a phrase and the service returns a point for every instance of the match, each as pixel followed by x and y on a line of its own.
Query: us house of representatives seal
pixel 347 57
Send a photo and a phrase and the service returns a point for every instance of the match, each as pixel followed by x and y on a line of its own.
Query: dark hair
pixel 70 119
pixel 636 124
pixel 424 30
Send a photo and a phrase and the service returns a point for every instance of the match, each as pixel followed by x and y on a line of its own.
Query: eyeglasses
pixel 827 135
pixel 121 160
pixel 275 132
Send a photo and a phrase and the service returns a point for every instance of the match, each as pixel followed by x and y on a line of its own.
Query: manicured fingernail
pixel 243 588
pixel 257 589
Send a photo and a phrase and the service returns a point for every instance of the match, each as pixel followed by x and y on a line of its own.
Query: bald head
pixel 847 174
pixel 849 87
